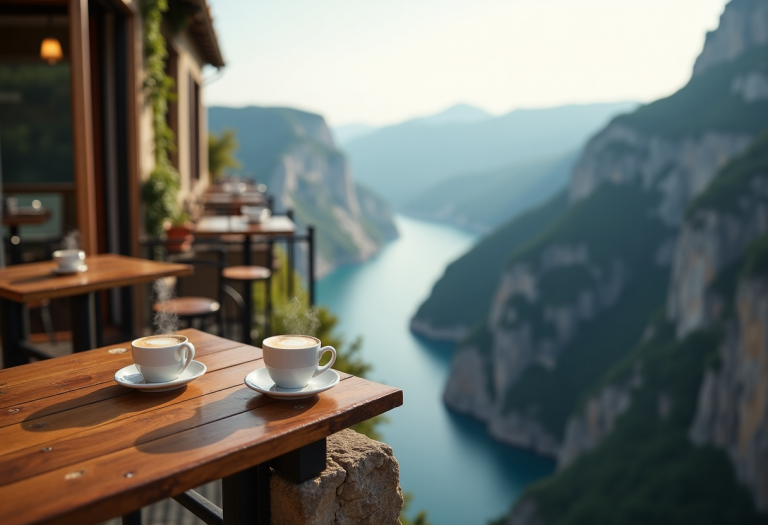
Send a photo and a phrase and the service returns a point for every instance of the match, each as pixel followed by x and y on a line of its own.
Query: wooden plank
pixel 204 344
pixel 82 124
pixel 123 481
pixel 34 281
pixel 137 419
pixel 55 389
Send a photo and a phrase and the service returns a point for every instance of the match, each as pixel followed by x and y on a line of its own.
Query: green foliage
pixel 757 258
pixel 735 180
pixel 420 518
pixel 36 129
pixel 462 295
pixel 159 193
pixel 221 149
pixel 706 103
pixel 158 85
pixel 647 470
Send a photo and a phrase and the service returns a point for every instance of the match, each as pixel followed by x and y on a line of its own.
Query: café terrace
pixel 113 230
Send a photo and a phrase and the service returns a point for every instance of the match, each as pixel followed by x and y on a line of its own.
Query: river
pixel 454 470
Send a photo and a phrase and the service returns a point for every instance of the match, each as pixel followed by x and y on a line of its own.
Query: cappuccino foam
pixel 291 341
pixel 158 341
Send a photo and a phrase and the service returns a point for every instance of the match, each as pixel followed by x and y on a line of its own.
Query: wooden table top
pixel 75 447
pixel 27 215
pixel 34 281
pixel 224 225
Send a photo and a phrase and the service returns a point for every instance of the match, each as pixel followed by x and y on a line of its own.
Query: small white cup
pixel 162 363
pixel 293 367
pixel 256 213
pixel 69 260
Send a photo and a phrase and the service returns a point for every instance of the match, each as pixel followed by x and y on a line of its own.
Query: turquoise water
pixel 458 474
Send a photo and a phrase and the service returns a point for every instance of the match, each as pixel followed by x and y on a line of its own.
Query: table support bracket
pixel 14 329
pixel 303 463
pixel 201 507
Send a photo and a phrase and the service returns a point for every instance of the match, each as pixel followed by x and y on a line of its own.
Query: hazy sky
pixel 384 61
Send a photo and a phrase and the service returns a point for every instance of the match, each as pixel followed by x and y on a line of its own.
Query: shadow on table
pixel 92 413
pixel 218 420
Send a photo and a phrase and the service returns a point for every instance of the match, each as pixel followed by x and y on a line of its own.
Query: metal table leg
pixel 14 331
pixel 84 321
pixel 246 497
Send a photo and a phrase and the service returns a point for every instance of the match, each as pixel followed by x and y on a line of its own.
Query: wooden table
pixel 75 447
pixel 230 203
pixel 20 217
pixel 275 226
pixel 23 283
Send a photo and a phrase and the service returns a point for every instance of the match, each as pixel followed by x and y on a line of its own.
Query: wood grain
pixel 89 451
pixel 99 488
pixel 33 281
pixel 204 344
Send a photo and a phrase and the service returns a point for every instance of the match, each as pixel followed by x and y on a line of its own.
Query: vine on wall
pixel 160 190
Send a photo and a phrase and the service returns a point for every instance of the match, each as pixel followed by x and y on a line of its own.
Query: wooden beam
pixel 82 124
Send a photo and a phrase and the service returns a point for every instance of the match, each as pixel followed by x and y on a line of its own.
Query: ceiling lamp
pixel 50 50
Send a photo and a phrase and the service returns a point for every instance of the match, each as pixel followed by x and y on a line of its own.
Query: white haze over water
pixel 380 62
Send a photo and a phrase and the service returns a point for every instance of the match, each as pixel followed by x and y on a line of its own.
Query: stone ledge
pixel 360 485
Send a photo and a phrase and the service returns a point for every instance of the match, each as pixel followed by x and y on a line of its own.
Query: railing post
pixel 290 259
pixel 311 235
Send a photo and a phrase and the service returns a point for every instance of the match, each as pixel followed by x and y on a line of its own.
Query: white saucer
pixel 62 271
pixel 129 376
pixel 260 381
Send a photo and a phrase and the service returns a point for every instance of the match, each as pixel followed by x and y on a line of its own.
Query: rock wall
pixel 733 402
pixel 710 241
pixel 586 429
pixel 679 168
pixel 360 486
pixel 743 25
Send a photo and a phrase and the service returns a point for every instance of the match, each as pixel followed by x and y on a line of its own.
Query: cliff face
pixel 607 258
pixel 294 154
pixel 744 25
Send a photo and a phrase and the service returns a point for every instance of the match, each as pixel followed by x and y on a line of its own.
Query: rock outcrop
pixel 360 486
pixel 743 26
pixel 733 402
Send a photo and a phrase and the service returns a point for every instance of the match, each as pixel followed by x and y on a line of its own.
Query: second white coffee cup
pixel 292 360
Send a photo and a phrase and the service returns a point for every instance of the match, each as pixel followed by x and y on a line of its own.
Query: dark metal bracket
pixel 201 507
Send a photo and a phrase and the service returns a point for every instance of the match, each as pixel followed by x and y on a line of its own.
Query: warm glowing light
pixel 50 50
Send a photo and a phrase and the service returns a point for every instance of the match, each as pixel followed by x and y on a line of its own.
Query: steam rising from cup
pixel 165 322
pixel 71 240
pixel 299 320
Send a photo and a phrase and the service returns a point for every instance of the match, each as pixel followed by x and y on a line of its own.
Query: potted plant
pixel 178 232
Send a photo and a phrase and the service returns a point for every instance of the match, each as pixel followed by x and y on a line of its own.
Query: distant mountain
pixel 458 114
pixel 403 160
pixel 294 154
pixel 480 202
pixel 343 135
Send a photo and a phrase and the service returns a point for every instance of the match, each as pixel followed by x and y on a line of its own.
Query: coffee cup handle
pixel 190 354
pixel 321 369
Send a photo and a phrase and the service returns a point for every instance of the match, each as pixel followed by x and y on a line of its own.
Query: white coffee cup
pixel 69 259
pixel 162 358
pixel 256 213
pixel 292 360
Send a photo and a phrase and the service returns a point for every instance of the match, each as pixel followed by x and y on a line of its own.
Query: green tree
pixel 220 152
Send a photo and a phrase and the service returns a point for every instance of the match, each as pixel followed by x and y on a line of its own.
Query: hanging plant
pixel 160 190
